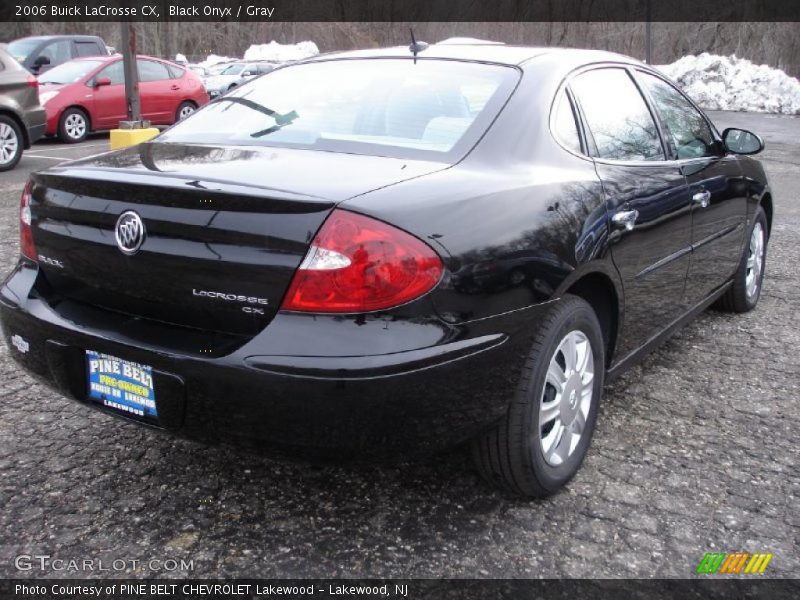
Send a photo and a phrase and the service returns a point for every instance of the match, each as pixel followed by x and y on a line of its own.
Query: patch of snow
pixel 214 59
pixel 180 58
pixel 730 83
pixel 272 51
pixel 281 52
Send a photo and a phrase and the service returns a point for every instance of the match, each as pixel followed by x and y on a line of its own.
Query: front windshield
pixel 232 69
pixel 385 107
pixel 70 72
pixel 22 48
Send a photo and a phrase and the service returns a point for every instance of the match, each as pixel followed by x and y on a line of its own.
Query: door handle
pixel 625 219
pixel 175 87
pixel 702 198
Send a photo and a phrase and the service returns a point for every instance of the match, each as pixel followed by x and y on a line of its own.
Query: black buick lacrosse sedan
pixel 376 252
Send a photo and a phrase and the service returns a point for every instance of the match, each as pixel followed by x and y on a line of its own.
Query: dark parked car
pixel 281 267
pixel 22 118
pixel 43 52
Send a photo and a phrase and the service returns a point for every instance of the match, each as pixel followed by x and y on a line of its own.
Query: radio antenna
pixel 416 46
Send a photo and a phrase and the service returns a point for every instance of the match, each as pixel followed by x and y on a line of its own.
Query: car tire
pixel 743 295
pixel 525 454
pixel 184 110
pixel 11 143
pixel 73 126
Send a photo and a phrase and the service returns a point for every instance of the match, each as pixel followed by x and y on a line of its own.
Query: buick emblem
pixel 129 232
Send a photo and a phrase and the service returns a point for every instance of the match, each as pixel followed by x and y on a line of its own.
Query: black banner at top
pixel 400 10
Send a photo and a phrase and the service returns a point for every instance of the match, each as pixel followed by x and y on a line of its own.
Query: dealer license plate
pixel 121 385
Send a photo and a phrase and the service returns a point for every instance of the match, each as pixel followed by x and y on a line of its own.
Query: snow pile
pixel 213 59
pixel 281 52
pixel 180 58
pixel 272 51
pixel 731 83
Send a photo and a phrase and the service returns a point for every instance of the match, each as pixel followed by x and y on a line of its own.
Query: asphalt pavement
pixel 695 451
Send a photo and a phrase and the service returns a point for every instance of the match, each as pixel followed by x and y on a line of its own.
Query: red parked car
pixel 88 94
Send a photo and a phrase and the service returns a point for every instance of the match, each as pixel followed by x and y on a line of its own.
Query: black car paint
pixel 42 42
pixel 424 375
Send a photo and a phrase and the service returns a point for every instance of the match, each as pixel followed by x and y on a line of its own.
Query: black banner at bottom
pixel 709 588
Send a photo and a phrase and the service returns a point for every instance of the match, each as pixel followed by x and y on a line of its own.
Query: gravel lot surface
pixel 695 451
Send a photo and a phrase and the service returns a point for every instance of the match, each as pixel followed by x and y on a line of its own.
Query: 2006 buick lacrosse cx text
pixel 398 250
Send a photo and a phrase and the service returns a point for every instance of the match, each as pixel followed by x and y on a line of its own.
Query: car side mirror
pixel 741 141
pixel 102 81
pixel 41 61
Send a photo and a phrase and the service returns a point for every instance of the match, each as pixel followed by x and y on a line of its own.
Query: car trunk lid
pixel 225 229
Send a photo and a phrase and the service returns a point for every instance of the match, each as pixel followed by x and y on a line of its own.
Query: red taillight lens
pixel 26 245
pixel 359 264
pixel 33 82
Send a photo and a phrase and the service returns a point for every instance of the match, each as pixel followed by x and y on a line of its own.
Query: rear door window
pixel 150 70
pixel 617 116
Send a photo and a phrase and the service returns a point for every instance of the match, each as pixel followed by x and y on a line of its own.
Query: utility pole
pixel 134 130
pixel 648 42
pixel 131 77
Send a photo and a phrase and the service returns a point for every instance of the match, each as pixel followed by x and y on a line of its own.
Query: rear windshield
pixel 434 109
pixel 70 72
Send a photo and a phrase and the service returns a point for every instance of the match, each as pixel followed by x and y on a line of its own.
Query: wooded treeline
pixel 776 44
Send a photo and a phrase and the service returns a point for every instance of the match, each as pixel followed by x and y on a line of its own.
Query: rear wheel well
pixel 766 204
pixel 14 117
pixel 598 290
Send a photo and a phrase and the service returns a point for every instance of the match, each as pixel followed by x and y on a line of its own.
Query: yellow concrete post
pixel 121 138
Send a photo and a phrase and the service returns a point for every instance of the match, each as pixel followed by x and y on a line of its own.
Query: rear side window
pixel 88 49
pixel 564 125
pixel 686 127
pixel 617 116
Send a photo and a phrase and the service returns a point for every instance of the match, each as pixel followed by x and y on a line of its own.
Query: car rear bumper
pixel 422 385
pixel 36 122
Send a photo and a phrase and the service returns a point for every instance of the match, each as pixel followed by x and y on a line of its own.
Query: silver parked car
pixel 235 74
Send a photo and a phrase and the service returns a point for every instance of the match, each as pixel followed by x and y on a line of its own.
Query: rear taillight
pixel 26 245
pixel 33 82
pixel 359 264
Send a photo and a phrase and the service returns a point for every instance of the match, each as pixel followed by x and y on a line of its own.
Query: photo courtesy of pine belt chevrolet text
pixel 389 252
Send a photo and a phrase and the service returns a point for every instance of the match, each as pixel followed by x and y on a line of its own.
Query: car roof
pixel 60 37
pixel 483 51
pixel 118 56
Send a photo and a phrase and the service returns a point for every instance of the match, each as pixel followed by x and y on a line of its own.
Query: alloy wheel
pixel 755 261
pixel 185 111
pixel 566 398
pixel 75 126
pixel 9 144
